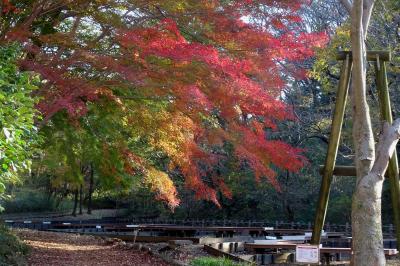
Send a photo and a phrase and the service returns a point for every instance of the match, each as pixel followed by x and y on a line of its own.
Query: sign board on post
pixel 307 254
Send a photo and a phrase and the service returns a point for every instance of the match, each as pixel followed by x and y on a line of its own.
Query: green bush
pixel 211 261
pixel 12 249
pixel 17 115
pixel 33 201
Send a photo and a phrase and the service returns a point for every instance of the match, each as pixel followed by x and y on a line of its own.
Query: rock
pixel 121 244
pixel 163 249
pixel 179 243
pixel 145 249
pixel 137 246
pixel 112 241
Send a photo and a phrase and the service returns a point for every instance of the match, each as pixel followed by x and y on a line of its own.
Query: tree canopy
pixel 187 79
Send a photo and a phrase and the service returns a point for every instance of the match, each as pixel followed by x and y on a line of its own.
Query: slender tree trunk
pixel 288 210
pixel 80 199
pixel 75 202
pixel 91 185
pixel 63 193
pixel 59 199
pixel 49 193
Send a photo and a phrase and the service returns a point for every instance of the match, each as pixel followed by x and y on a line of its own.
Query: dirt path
pixel 48 248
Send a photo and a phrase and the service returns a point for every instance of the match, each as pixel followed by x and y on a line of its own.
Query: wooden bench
pixel 326 252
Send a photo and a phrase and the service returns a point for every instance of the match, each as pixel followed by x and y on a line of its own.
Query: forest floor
pixel 49 248
pixel 394 262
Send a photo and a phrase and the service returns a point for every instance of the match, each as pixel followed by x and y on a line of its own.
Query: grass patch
pixel 211 261
pixel 12 249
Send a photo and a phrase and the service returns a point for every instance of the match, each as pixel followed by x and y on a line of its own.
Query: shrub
pixel 17 114
pixel 211 261
pixel 12 249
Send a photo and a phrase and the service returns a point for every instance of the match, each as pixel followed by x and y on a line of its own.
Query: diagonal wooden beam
pixel 333 146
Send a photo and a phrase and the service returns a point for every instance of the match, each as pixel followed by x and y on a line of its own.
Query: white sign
pixel 307 254
pixel 132 225
pixel 98 226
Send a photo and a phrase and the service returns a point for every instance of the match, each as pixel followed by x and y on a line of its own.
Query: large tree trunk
pixel 366 207
pixel 366 222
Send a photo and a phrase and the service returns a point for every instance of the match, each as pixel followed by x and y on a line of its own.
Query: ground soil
pixel 182 254
pixel 49 248
pixel 393 262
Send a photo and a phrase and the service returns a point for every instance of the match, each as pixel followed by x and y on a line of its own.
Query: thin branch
pixel 347 4
pixel 368 5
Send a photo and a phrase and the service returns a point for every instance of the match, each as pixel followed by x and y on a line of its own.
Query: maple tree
pixel 188 77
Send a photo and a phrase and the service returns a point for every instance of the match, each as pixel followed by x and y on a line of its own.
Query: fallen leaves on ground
pixel 62 249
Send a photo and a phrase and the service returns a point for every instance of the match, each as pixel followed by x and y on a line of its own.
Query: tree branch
pixel 368 5
pixel 385 147
pixel 347 4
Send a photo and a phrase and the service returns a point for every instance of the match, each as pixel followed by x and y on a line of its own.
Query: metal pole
pixel 332 150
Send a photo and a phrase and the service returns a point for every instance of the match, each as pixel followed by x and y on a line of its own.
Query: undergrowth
pixel 12 249
pixel 29 200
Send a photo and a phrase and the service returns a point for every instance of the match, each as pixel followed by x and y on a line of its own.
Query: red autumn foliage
pixel 207 59
pixel 7 7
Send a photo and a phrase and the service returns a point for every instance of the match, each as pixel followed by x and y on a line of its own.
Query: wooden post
pixel 332 150
pixel 393 168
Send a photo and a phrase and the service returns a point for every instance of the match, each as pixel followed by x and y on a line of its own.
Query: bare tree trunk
pixel 366 206
pixel 75 202
pixel 91 185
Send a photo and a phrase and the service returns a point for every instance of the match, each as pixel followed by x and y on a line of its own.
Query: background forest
pixel 94 144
